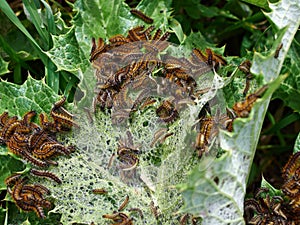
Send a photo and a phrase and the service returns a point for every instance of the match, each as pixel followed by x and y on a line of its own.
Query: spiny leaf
pixel 19 99
pixel 32 95
pixel 217 194
pixel 66 53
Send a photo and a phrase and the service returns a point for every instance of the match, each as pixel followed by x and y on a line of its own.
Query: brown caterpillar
pixel 141 15
pixel 48 174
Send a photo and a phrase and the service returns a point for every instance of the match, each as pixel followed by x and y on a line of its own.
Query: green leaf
pixel 218 192
pixel 289 90
pixel 3 66
pixel 289 119
pixel 259 3
pixel 177 29
pixel 29 218
pixel 17 100
pixel 61 27
pixel 197 40
pixel 32 95
pixel 157 10
pixel 272 191
pixel 66 53
pixel 297 144
pixel 51 27
pixel 15 40
pixel 8 165
pixel 100 19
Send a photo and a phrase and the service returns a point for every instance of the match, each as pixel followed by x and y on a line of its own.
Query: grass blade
pixel 13 18
pixel 37 21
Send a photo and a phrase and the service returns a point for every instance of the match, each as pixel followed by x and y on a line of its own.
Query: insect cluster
pixel 121 218
pixel 126 66
pixel 291 186
pixel 282 209
pixel 38 145
pixel 28 197
pixel 132 70
pixel 208 125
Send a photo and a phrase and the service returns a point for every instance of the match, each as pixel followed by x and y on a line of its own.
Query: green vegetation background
pixel 44 51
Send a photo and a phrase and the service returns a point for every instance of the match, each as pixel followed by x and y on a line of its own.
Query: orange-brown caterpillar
pixel 137 210
pixel 278 50
pixel 141 15
pixel 211 59
pixel 28 197
pixel 124 203
pixel 154 210
pixel 99 191
pixel 47 174
pixel 97 49
pixel 291 166
pixel 242 109
pixel 167 112
pixel 16 149
pixel 202 139
pixel 245 68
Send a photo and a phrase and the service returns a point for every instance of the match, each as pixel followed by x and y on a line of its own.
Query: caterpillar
pixel 141 15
